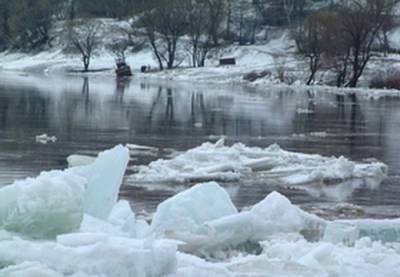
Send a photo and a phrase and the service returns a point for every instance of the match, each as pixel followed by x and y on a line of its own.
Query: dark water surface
pixel 90 115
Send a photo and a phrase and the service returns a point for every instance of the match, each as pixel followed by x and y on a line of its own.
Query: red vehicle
pixel 123 70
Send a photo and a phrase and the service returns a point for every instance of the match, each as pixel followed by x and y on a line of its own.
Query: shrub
pixel 386 80
pixel 254 75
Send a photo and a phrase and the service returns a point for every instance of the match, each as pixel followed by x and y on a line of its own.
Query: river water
pixel 88 115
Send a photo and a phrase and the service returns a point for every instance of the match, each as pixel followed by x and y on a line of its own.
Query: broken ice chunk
pixel 341 232
pixel 29 269
pixel 115 256
pixel 142 228
pixel 123 216
pixel 191 208
pixel 274 215
pixel 384 230
pixel 43 207
pixel 105 181
pixel 45 138
pixel 79 160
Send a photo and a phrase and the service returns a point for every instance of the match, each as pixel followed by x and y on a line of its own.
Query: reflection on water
pixel 91 114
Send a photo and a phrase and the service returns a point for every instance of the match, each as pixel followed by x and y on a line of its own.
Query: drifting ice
pixel 109 241
pixel 45 138
pixel 218 162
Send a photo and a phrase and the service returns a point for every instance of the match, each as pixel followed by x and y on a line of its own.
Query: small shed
pixel 227 61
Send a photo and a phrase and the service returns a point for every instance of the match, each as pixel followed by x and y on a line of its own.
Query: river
pixel 88 115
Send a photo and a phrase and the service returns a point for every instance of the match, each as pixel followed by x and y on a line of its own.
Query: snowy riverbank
pixel 249 59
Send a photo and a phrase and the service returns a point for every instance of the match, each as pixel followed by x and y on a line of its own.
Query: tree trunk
pixel 86 62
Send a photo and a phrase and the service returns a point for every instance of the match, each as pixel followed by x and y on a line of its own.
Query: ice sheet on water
pixel 219 162
pixel 44 206
pixel 186 211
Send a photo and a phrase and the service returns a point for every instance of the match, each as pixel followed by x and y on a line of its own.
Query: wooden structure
pixel 227 61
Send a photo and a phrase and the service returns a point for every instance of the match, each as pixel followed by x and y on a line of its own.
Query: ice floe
pixel 45 138
pixel 217 162
pixel 142 150
pixel 271 238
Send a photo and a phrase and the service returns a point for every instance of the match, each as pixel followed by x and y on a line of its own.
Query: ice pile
pixel 86 232
pixel 217 162
pixel 207 230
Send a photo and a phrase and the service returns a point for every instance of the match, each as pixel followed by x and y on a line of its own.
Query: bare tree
pixel 217 9
pixel 309 42
pixel 345 37
pixel 85 39
pixel 164 25
pixel 361 22
pixel 199 31
pixel 119 48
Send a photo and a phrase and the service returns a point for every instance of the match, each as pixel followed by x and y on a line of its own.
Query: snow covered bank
pixel 252 58
pixel 222 163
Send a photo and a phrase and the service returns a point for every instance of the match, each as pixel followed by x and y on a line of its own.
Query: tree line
pixel 341 36
pixel 345 37
pixel 26 24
